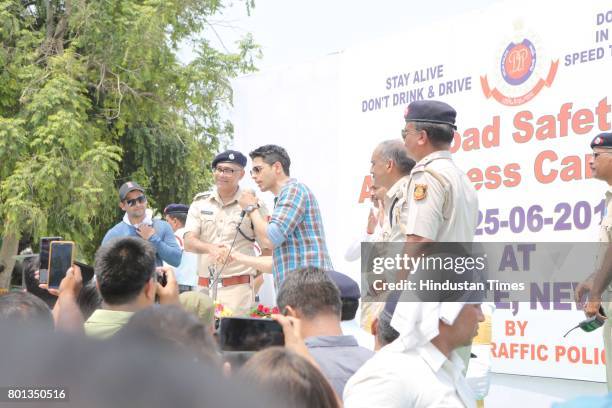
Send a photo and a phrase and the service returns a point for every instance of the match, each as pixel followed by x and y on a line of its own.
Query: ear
pixel 390 164
pixel 150 289
pixel 292 312
pixel 278 168
pixel 422 137
pixel 123 205
pixel 374 327
pixel 241 174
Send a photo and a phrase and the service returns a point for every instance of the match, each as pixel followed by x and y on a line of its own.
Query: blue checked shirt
pixel 296 230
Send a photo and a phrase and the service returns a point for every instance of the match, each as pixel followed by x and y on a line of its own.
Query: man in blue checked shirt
pixel 295 227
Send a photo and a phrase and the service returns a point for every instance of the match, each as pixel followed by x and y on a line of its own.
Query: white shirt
pixel 353 253
pixel 420 377
pixel 442 202
pixel 187 271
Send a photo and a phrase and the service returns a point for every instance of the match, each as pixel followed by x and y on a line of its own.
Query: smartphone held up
pixel 61 258
pixel 249 334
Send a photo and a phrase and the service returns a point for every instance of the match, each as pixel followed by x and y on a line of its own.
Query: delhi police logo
pixel 521 73
pixel 518 62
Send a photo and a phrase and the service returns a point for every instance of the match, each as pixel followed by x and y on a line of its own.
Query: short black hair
pixel 181 217
pixel 438 133
pixel 123 267
pixel 25 309
pixel 271 154
pixel 311 292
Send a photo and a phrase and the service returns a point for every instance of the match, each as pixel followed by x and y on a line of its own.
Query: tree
pixel 92 94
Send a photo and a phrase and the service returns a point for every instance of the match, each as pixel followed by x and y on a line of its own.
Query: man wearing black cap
pixel 137 223
pixel 187 272
pixel 214 223
pixel 442 203
pixel 599 282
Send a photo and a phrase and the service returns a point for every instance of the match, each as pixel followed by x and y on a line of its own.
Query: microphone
pixel 243 213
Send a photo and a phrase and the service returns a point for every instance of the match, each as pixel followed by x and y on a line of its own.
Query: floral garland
pixel 260 311
pixel 222 311
pixel 263 312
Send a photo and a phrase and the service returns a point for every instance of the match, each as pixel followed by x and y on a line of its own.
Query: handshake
pixel 221 255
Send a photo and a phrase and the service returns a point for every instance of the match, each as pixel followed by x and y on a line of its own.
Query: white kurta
pixel 421 377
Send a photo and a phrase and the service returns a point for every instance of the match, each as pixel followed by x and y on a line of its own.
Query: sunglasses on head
pixel 139 199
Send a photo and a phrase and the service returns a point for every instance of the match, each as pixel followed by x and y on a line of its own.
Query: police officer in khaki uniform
pixel 598 283
pixel 215 221
pixel 390 169
pixel 442 202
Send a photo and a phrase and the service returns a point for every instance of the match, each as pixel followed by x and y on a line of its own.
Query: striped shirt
pixel 296 230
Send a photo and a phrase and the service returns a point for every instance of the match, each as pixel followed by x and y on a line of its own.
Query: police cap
pixel 230 156
pixel 349 289
pixel 176 209
pixel 602 140
pixel 432 112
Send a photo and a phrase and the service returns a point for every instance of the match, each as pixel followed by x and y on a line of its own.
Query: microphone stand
pixel 214 277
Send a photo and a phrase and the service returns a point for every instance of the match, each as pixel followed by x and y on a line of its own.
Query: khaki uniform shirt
pixel 605 235
pixel 442 202
pixel 215 223
pixel 605 229
pixel 396 208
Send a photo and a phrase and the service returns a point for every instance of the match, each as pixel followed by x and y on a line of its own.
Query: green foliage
pixel 92 94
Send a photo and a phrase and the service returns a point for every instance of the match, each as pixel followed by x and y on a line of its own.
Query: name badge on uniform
pixel 206 212
pixel 420 192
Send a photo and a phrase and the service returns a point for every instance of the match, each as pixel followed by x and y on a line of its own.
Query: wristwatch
pixel 250 208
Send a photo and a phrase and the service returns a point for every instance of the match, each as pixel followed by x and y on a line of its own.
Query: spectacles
pixel 225 170
pixel 140 199
pixel 256 170
pixel 597 154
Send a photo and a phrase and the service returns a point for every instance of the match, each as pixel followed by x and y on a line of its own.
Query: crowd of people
pixel 143 330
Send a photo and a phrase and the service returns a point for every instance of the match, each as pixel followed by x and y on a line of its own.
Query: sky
pixel 292 32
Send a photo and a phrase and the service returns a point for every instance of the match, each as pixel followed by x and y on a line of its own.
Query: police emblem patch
pixel 420 192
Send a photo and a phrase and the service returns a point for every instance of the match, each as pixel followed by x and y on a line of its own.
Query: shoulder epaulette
pixel 200 196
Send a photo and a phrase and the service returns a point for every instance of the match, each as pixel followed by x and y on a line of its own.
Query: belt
pixel 232 280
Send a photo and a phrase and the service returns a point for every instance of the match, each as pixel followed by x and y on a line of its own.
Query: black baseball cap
pixel 125 189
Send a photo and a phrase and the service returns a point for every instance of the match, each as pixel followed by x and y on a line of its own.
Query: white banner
pixel 530 82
